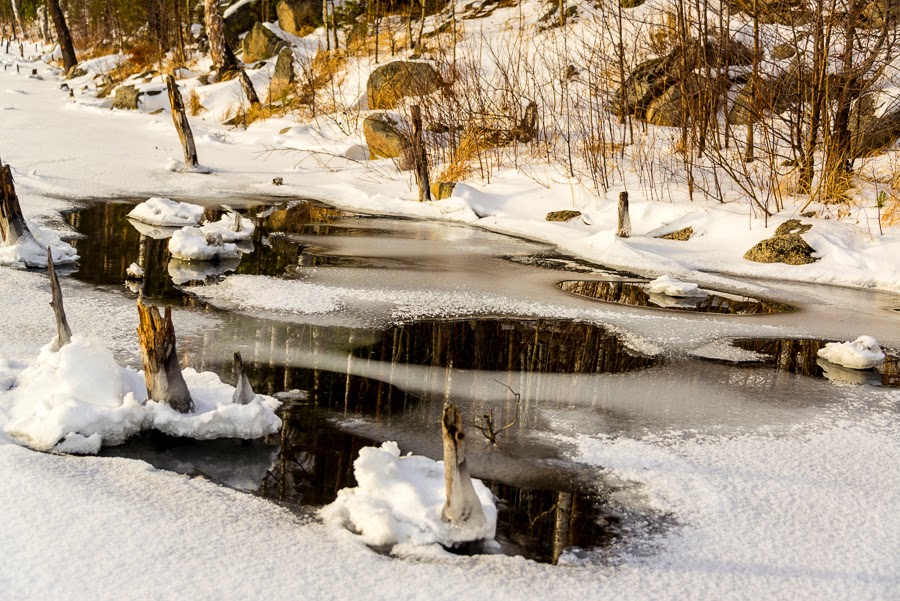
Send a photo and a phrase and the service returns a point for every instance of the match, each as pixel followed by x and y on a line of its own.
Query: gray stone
pixel 672 107
pixel 783 51
pixel 786 246
pixel 390 83
pixel 773 97
pixel 562 215
pixel 792 226
pixel 384 136
pixel 870 134
pixel 442 190
pixel 242 18
pixel 780 12
pixel 283 78
pixel 260 44
pixel 297 17
pixel 127 98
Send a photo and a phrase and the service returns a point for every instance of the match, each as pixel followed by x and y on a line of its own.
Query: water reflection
pixel 635 293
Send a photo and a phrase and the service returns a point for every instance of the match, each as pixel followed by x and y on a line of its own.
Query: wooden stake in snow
pixel 162 373
pixel 243 392
pixel 64 333
pixel 181 123
pixel 624 219
pixel 419 156
pixel 463 505
pixel 237 227
pixel 12 222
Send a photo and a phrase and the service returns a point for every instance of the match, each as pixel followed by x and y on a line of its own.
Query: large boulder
pixel 779 12
pixel 774 96
pixel 260 44
pixel 390 83
pixel 283 78
pixel 298 17
pixel 127 98
pixel 786 246
pixel 240 16
pixel 384 135
pixel 871 134
pixel 674 105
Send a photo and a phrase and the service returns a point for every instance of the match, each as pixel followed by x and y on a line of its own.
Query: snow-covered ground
pixel 805 512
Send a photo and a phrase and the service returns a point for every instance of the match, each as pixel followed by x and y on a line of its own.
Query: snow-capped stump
pixel 162 372
pixel 669 286
pixel 462 507
pixel 786 246
pixel 167 213
pixel 862 353
pixel 243 392
pixel 232 227
pixel 134 272
pixel 193 244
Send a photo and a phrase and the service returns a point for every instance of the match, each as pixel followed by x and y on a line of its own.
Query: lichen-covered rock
pixel 562 215
pixel 682 235
pixel 260 44
pixel 786 246
pixel 442 190
pixel 390 83
pixel 384 137
pixel 127 98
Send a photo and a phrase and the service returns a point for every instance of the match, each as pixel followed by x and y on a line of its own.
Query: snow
pixel 31 251
pixel 193 244
pixel 862 353
pixel 398 501
pixel 167 213
pixel 134 271
pixel 224 227
pixel 670 286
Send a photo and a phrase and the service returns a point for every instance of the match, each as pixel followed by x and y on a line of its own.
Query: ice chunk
pixel 399 501
pixel 192 244
pixel 862 353
pixel 670 286
pixel 166 212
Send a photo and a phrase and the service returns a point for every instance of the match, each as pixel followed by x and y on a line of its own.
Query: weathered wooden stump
pixel 64 333
pixel 243 392
pixel 162 372
pixel 181 123
pixel 419 156
pixel 12 222
pixel 463 505
pixel 624 229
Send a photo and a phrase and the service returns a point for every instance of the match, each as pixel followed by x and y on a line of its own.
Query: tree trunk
pixel 162 373
pixel 564 502
pixel 12 222
pixel 63 35
pixel 463 505
pixel 223 60
pixel 17 16
pixel 421 159
pixel 181 123
pixel 64 333
pixel 624 229
pixel 243 392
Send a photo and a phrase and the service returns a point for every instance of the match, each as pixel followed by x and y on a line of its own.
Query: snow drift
pixel 862 353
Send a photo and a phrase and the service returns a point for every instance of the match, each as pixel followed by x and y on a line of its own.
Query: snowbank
pixel 224 227
pixel 165 212
pixel 670 286
pixel 399 501
pixel 31 251
pixel 192 244
pixel 862 353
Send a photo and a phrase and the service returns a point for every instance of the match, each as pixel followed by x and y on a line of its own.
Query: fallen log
pixel 162 372
pixel 243 392
pixel 64 333
pixel 462 506
pixel 181 123
pixel 12 222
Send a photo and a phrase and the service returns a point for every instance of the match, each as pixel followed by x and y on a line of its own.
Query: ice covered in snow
pixel 225 228
pixel 31 251
pixel 669 286
pixel 192 244
pixel 215 413
pixel 399 500
pixel 134 271
pixel 166 212
pixel 862 353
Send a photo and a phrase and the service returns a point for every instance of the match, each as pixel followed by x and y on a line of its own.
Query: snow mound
pixel 670 286
pixel 31 251
pixel 225 228
pixel 862 353
pixel 192 244
pixel 215 413
pixel 134 272
pixel 76 398
pixel 166 212
pixel 399 501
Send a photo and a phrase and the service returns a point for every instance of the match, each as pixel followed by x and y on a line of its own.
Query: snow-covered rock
pixel 225 228
pixel 166 212
pixel 862 353
pixel 192 244
pixel 399 501
pixel 670 286
pixel 31 251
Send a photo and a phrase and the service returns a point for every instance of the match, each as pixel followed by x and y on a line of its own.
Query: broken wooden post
pixel 463 506
pixel 162 373
pixel 12 222
pixel 624 229
pixel 238 223
pixel 63 332
pixel 419 156
pixel 181 123
pixel 243 392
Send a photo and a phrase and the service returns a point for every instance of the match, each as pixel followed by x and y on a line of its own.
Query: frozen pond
pixel 371 324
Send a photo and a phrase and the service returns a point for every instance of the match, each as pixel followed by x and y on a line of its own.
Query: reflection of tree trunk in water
pixel 564 502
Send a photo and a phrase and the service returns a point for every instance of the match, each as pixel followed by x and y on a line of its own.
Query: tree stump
pixel 624 229
pixel 12 222
pixel 419 156
pixel 243 392
pixel 181 123
pixel 64 333
pixel 162 373
pixel 463 506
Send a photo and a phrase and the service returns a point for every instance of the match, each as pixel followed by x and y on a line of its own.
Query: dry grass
pixel 472 144
pixel 194 105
